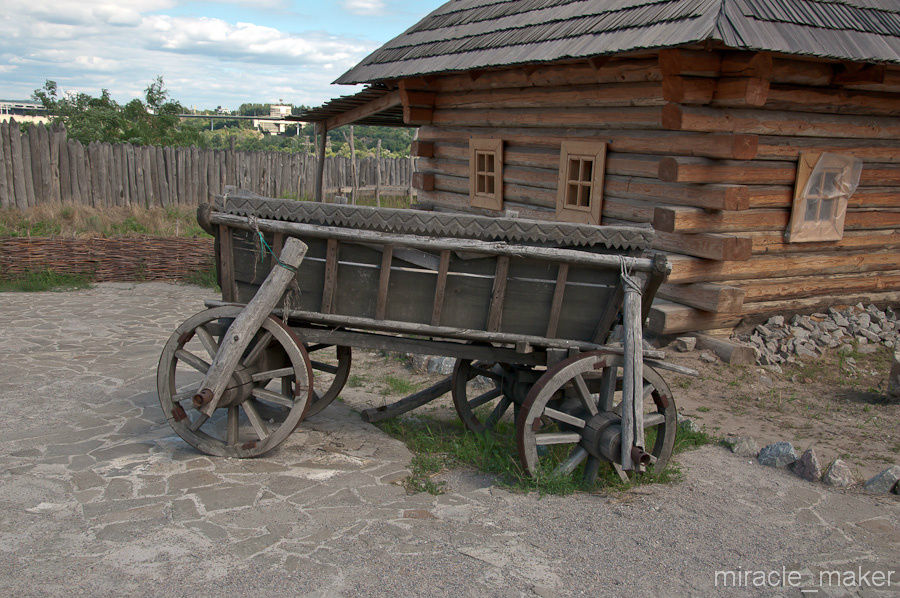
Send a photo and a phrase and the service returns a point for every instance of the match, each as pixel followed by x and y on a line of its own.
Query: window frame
pixel 802 230
pixel 595 151
pixel 482 199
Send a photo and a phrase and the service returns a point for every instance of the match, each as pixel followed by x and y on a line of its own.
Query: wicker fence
pixel 103 259
pixel 43 165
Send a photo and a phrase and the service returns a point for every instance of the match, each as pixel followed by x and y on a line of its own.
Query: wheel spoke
pixel 584 394
pixel 192 360
pixel 201 419
pixel 568 466
pixel 324 367
pixel 498 412
pixel 232 425
pixel 272 397
pixel 608 389
pixel 654 419
pixel 317 347
pixel 184 396
pixel 648 390
pixel 564 417
pixel 279 373
pixel 590 471
pixel 208 342
pixel 484 398
pixel 557 438
pixel 258 349
pixel 259 426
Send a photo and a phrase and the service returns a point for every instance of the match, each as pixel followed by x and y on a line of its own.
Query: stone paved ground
pixel 98 498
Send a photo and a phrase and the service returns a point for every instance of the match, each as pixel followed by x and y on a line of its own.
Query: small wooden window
pixel 580 193
pixel 825 182
pixel 486 173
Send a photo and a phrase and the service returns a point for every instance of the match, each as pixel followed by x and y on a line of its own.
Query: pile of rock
pixel 807 337
pixel 838 473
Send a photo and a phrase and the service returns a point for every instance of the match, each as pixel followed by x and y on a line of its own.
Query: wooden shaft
pixel 573 257
pixel 245 326
pixel 633 378
pixel 409 403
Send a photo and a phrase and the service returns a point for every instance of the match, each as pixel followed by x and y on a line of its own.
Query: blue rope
pixel 264 245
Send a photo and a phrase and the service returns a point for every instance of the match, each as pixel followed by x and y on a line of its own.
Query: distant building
pixel 23 111
pixel 274 125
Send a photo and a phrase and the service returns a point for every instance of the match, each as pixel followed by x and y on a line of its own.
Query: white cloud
pixel 365 7
pixel 205 61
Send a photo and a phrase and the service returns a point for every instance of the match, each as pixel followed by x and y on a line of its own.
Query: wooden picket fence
pixel 42 165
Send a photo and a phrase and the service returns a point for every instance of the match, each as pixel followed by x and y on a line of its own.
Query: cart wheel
pixel 464 372
pixel 268 394
pixel 327 387
pixel 562 420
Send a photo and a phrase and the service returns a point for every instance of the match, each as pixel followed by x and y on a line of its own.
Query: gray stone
pixel 743 446
pixel 867 349
pixel 775 321
pixel 885 481
pixel 685 343
pixel 441 365
pixel 708 357
pixel 766 381
pixel 869 335
pixel 838 474
pixel 804 351
pixel 774 368
pixel 779 454
pixel 807 466
pixel 893 386
pixel 688 424
pixel 763 330
pixel 864 320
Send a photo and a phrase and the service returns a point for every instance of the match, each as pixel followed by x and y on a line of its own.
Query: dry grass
pixel 67 220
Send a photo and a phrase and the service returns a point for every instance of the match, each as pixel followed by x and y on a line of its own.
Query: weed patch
pixel 44 280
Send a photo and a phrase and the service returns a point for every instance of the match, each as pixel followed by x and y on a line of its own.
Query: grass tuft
pixel 399 386
pixel 207 277
pixel 69 220
pixel 44 280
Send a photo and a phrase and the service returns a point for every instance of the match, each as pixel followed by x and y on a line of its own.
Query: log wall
pixel 42 165
pixel 703 146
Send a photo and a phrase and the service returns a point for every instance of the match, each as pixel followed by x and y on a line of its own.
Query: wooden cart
pixel 528 309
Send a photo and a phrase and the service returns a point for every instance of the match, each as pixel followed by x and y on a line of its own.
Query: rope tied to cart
pixel 628 280
pixel 292 296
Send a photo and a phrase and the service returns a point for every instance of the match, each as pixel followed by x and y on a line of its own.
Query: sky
pixel 210 54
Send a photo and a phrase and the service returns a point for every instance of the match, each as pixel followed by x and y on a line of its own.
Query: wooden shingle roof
pixel 474 34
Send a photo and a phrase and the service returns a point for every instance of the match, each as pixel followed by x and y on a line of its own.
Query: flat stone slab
pixel 99 497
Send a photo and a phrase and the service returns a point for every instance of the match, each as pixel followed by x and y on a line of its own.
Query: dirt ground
pixel 819 405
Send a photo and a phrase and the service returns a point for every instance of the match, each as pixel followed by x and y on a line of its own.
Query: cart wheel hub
pixel 239 388
pixel 601 436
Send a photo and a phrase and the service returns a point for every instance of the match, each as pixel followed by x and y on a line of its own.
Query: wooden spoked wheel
pixel 332 368
pixel 469 396
pixel 267 395
pixel 572 413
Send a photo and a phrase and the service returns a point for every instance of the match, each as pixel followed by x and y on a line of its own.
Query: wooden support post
pixel 439 288
pixel 412 166
pixel 495 315
pixel 559 292
pixel 331 267
pixel 321 138
pixel 354 170
pixel 244 328
pixel 226 264
pixel 384 281
pixel 378 174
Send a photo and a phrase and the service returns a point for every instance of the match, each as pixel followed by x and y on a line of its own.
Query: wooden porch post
pixel 321 139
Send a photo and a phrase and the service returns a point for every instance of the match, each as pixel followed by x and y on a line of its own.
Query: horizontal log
pixel 576 73
pixel 679 61
pixel 610 94
pixel 775 122
pixel 710 246
pixel 688 90
pixel 706 296
pixel 447 201
pixel 773 242
pixel 789 148
pixel 593 118
pixel 712 197
pixel 773 289
pixel 668 317
pixel 801 72
pixel 741 91
pixel 422 149
pixel 773 196
pixel 682 169
pixel 693 220
pixel 690 269
pixel 729 351
pixel 631 210
pixel 834 100
pixel 763 309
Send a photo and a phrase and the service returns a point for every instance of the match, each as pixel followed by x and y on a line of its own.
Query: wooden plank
pixel 440 287
pixel 786 287
pixel 689 269
pixel 693 220
pixel 498 294
pixel 331 271
pixel 773 242
pixel 711 246
pixel 771 147
pixel 680 61
pixel 667 317
pixel 706 296
pixel 834 100
pixel 7 200
pixel 682 169
pixel 598 95
pixel 226 264
pixel 775 122
pixel 708 196
pixel 595 118
pixel 384 281
pixel 727 350
pixel 559 291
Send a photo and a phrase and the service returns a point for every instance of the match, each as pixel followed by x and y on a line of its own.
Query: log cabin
pixel 760 138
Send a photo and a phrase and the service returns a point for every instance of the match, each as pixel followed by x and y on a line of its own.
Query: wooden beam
pixel 711 246
pixel 384 281
pixel 422 149
pixel 423 181
pixel 706 296
pixel 330 282
pixel 849 73
pixel 741 91
pixel 375 106
pixel 321 141
pixel 226 264
pixel 559 291
pixel 498 295
pixel 711 197
pixel 688 90
pixel 418 106
pixel 677 61
pixel 440 288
